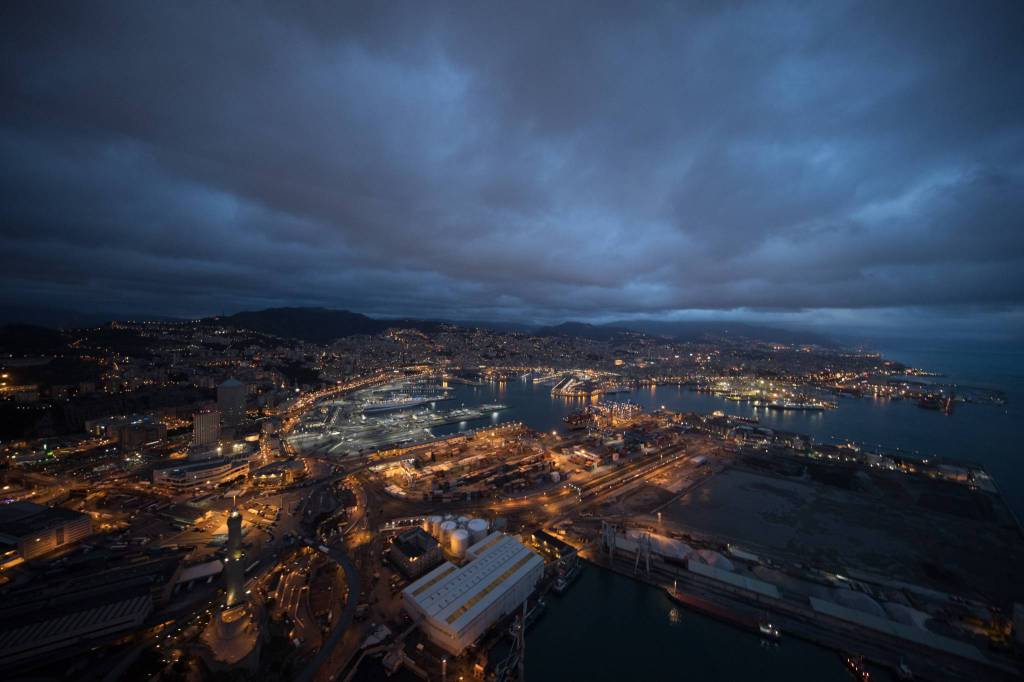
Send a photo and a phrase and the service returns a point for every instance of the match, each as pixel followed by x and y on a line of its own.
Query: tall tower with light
pixel 232 637
pixel 234 566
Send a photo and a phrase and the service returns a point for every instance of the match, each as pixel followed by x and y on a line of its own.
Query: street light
pixel 444 669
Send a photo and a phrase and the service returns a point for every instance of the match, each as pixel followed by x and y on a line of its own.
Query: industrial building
pixel 415 552
pixel 35 529
pixel 139 432
pixel 456 606
pixel 552 546
pixel 183 515
pixel 86 605
pixel 280 473
pixel 205 472
pixel 129 432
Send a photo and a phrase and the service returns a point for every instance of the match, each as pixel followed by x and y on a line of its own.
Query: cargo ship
pixel 563 581
pixel 801 405
pixel 709 608
pixel 934 401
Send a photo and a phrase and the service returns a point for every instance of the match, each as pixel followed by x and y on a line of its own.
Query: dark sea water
pixel 609 627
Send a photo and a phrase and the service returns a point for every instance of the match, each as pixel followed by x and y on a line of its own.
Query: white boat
pixel 768 629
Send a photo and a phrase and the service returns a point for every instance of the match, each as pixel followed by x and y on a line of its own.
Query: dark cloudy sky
pixel 813 162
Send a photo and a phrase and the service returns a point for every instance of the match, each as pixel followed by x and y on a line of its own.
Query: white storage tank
pixel 477 530
pixel 555 477
pixel 435 526
pixel 462 521
pixel 460 542
pixel 447 528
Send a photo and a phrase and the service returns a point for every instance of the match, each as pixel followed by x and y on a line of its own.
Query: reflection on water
pixel 976 433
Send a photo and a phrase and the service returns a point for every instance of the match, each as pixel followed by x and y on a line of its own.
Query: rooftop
pixel 455 595
pixel 199 466
pixel 24 518
pixel 415 542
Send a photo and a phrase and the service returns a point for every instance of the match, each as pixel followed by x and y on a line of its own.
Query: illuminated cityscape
pixel 502 342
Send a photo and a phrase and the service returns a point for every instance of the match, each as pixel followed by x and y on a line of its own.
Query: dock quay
pixel 743 609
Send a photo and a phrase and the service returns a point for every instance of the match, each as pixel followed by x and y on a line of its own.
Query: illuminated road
pixel 347 614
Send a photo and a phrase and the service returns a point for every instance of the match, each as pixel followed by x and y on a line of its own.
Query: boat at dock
pixel 796 405
pixel 531 616
pixel 768 629
pixel 563 581
pixel 855 664
pixel 713 610
pixel 400 403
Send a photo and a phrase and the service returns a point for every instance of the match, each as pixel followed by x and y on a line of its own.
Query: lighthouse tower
pixel 234 561
pixel 232 638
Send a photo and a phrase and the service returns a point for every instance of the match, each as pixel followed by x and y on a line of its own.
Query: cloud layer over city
pixel 489 161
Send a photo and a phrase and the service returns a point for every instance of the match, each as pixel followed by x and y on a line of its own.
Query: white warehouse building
pixel 455 606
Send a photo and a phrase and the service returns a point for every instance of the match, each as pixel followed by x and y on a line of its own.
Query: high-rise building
pixel 231 401
pixel 206 427
pixel 234 568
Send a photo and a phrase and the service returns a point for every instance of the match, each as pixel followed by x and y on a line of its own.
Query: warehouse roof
pixel 455 596
pixel 55 629
pixel 24 518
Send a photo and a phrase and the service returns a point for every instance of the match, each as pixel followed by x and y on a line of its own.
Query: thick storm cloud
pixel 488 160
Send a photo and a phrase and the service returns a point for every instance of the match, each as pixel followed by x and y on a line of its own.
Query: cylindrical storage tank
pixel 435 525
pixel 555 477
pixel 477 530
pixel 447 528
pixel 460 542
pixel 462 521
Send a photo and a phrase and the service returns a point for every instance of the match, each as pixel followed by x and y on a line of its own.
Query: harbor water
pixel 610 627
pixel 976 433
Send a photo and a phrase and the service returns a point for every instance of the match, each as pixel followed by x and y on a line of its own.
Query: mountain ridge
pixel 323 325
